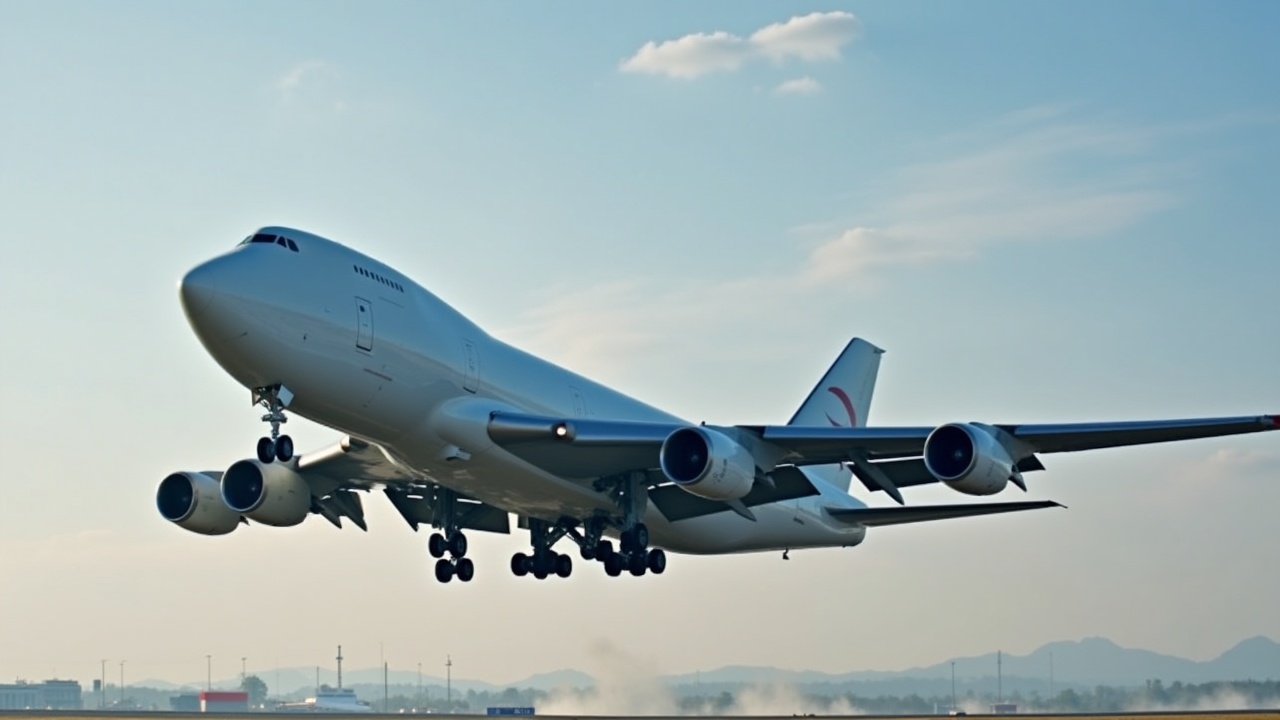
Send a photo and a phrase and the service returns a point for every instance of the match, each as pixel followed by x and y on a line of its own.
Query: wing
pixel 875 517
pixel 884 458
pixel 336 474
pixel 837 444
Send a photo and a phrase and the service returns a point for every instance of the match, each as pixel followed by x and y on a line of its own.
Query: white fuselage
pixel 367 351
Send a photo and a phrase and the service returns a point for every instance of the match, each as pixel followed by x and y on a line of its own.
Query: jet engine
pixel 270 494
pixel 193 501
pixel 969 459
pixel 707 463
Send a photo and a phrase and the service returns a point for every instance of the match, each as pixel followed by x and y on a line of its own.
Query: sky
pixel 1051 211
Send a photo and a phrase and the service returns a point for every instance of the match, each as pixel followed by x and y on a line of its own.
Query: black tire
pixel 588 553
pixel 284 448
pixel 613 564
pixel 564 566
pixel 640 537
pixel 657 561
pixel 458 545
pixel 638 564
pixel 436 545
pixel 266 450
pixel 444 570
pixel 465 569
pixel 519 564
pixel 604 549
pixel 625 541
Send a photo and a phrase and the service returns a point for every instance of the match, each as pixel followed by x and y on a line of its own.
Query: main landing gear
pixel 451 542
pixel 276 447
pixel 634 556
pixel 543 562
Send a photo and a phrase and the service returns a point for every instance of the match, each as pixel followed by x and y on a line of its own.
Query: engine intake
pixel 270 494
pixel 969 459
pixel 707 463
pixel 193 501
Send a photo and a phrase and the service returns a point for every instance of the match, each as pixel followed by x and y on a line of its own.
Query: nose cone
pixel 197 289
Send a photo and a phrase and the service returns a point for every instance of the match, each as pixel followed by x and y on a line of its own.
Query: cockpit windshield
pixel 280 240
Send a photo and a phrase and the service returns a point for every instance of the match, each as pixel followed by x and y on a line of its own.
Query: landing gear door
pixel 470 367
pixel 364 325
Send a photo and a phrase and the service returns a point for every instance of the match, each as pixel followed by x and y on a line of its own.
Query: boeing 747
pixel 461 431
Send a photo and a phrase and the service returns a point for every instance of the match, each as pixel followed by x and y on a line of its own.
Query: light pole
pixel 418 702
pixel 243 675
pixel 448 684
pixel 102 691
pixel 953 684
pixel 208 672
pixel 121 682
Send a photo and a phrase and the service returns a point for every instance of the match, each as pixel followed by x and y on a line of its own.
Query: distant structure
pixel 327 699
pixel 48 695
pixel 222 701
pixel 1004 708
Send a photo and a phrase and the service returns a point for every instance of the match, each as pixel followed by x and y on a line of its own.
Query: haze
pixel 1044 212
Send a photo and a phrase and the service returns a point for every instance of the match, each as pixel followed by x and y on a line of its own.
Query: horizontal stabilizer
pixel 874 517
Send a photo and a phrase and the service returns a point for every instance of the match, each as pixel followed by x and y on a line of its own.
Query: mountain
pixel 1085 663
pixel 1077 663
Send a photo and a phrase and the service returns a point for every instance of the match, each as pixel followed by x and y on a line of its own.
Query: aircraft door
pixel 364 324
pixel 470 367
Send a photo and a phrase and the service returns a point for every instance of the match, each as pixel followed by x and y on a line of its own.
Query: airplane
pixel 461 431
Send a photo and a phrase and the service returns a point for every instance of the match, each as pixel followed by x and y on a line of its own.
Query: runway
pixel 1168 715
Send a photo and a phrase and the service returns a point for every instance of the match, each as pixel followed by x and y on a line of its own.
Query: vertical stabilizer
pixel 842 398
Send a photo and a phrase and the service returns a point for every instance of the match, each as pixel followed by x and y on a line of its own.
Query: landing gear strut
pixel 634 554
pixel 451 542
pixel 544 562
pixel 275 399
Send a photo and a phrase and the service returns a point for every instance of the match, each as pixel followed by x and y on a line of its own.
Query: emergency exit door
pixel 364 324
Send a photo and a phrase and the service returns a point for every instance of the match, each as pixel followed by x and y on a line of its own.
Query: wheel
pixel 640 536
pixel 540 569
pixel 625 541
pixel 564 565
pixel 519 564
pixel 458 544
pixel 657 561
pixel 444 570
pixel 613 564
pixel 604 549
pixel 465 569
pixel 284 448
pixel 588 552
pixel 436 545
pixel 637 564
pixel 266 450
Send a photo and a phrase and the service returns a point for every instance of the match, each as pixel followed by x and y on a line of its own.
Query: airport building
pixel 221 701
pixel 48 695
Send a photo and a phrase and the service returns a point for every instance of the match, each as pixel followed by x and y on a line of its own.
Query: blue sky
pixel 1044 211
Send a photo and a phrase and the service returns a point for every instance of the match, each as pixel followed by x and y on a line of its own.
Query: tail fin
pixel 842 397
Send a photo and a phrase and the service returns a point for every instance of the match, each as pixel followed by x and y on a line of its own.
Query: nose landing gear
pixel 275 399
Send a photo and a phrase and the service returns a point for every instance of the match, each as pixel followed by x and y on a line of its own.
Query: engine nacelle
pixel 193 501
pixel 707 463
pixel 969 459
pixel 272 494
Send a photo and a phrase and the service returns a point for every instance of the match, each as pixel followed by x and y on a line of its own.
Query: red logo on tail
pixel 843 397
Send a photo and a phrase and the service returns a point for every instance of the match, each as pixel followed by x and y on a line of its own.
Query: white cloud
pixel 1044 178
pixel 799 86
pixel 690 56
pixel 812 37
pixel 816 36
pixel 303 72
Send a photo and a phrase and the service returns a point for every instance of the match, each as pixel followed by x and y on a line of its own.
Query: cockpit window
pixel 280 240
